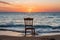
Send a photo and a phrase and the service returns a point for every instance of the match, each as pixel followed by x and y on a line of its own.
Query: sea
pixel 44 22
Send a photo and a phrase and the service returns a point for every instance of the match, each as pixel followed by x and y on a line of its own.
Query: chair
pixel 29 25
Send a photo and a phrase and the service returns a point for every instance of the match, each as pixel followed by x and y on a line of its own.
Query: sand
pixel 11 35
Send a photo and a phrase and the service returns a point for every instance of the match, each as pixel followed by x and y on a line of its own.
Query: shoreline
pixel 13 35
pixel 6 31
pixel 5 37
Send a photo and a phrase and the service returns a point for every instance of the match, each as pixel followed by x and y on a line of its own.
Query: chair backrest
pixel 28 21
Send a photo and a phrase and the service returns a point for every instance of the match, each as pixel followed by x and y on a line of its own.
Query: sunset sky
pixel 29 5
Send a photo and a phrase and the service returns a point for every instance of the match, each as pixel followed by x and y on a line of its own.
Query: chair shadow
pixel 51 39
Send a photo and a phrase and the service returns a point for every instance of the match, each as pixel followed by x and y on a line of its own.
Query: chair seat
pixel 29 28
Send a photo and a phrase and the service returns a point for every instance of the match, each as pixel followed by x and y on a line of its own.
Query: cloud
pixel 5 2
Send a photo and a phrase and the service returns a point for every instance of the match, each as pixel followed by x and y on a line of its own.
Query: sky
pixel 29 5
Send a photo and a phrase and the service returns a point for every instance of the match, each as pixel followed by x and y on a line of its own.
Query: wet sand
pixel 11 35
pixel 56 37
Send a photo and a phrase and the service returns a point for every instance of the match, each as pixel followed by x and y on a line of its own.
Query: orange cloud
pixel 4 2
pixel 26 8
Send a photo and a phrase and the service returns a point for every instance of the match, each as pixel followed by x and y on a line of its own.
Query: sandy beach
pixel 11 35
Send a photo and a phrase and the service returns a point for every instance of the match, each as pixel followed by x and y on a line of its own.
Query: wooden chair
pixel 29 25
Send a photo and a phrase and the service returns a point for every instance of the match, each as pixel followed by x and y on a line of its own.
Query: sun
pixel 30 9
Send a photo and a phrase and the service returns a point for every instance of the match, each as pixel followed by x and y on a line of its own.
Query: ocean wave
pixel 37 30
pixel 46 30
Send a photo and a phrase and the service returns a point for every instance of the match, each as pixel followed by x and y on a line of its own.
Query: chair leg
pixel 34 31
pixel 25 32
